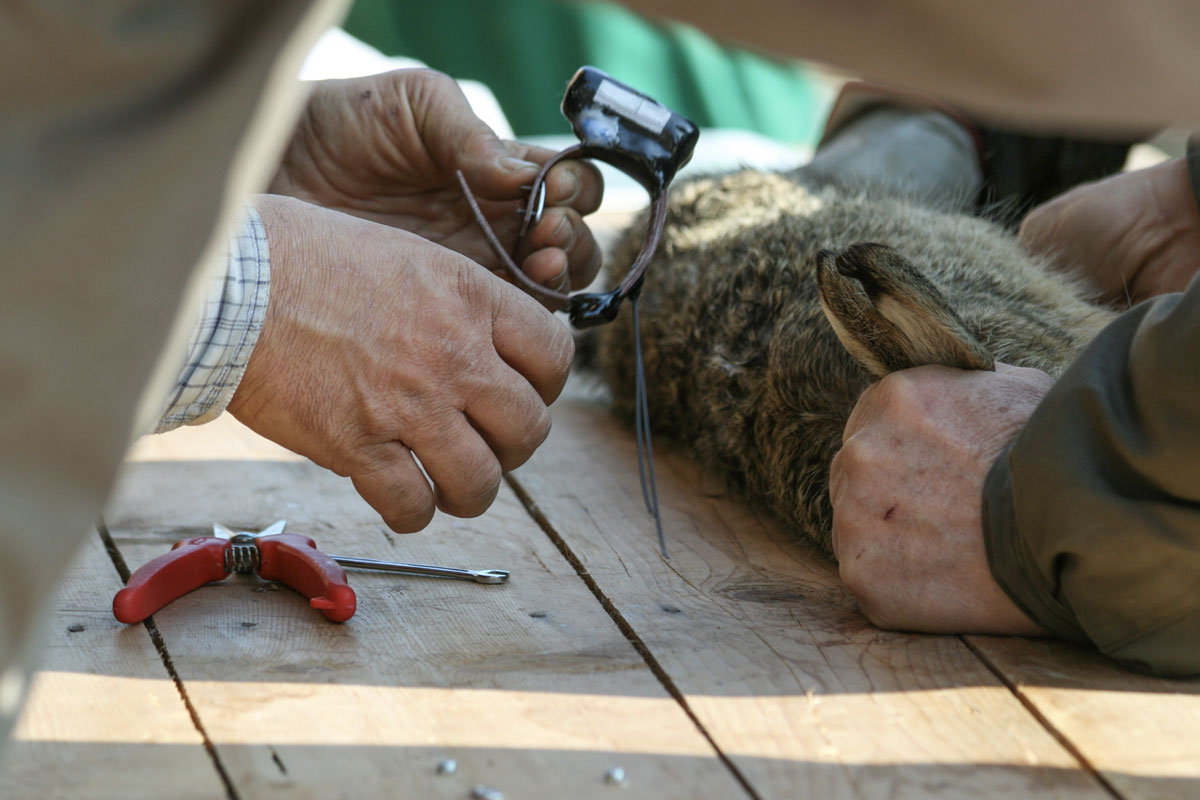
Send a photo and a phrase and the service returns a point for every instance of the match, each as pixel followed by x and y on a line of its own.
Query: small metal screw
pixel 447 766
pixel 615 775
pixel 481 792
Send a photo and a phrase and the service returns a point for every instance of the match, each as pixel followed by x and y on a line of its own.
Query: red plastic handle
pixel 295 561
pixel 190 564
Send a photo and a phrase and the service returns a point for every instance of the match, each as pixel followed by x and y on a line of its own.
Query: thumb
pixel 459 140
pixel 495 169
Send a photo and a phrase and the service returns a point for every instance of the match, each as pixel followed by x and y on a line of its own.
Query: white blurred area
pixel 339 55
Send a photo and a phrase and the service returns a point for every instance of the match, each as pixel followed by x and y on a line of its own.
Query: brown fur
pixel 744 368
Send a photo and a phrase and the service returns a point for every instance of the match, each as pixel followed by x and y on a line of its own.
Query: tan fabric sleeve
pixel 128 134
pixel 1092 517
pixel 1080 63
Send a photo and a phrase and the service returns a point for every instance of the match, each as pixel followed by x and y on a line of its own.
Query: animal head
pixel 889 316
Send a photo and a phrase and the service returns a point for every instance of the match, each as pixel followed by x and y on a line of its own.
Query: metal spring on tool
pixel 242 559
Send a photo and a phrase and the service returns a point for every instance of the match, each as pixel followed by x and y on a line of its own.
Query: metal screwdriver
pixel 476 575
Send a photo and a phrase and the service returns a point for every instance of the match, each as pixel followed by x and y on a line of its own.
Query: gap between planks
pixel 577 687
pixel 160 646
pixel 665 679
pixel 626 628
pixel 1036 713
pixel 546 488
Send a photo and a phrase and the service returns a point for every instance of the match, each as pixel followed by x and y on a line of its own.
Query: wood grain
pixel 768 651
pixel 529 686
pixel 1141 733
pixel 103 718
pixel 532 687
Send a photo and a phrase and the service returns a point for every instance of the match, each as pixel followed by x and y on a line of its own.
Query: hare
pixel 774 300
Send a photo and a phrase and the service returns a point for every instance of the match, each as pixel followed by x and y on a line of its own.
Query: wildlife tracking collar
pixel 650 143
pixel 632 132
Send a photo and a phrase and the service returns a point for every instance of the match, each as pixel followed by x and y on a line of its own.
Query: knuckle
pixel 403 499
pixel 837 473
pixel 852 464
pixel 411 519
pixel 559 227
pixel 531 438
pixel 475 293
pixel 443 432
pixel 432 81
pixel 479 491
pixel 539 430
pixel 568 179
pixel 860 584
pixel 867 574
pixel 560 350
pixel 878 615
pixel 902 398
pixel 851 579
pixel 377 420
pixel 896 388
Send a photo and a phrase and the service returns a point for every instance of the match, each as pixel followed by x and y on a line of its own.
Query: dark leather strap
pixel 585 309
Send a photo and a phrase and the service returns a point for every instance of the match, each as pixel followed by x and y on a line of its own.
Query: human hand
pixel 379 346
pixel 1135 235
pixel 907 497
pixel 386 148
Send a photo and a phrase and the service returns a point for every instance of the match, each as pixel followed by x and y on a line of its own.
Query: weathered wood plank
pixel 770 653
pixel 103 719
pixel 1141 733
pixel 529 686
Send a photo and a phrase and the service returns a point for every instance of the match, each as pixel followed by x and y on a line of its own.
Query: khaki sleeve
pixel 129 135
pixel 1094 63
pixel 1092 516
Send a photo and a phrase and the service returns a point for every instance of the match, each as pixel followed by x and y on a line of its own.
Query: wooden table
pixel 739 668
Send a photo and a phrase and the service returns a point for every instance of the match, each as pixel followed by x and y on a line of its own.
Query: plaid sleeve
pixel 220 347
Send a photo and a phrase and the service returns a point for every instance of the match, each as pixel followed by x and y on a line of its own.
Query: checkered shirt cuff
pixel 220 347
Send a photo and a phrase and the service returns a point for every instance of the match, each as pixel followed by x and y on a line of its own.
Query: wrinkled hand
pixel 386 147
pixel 1134 235
pixel 907 497
pixel 379 346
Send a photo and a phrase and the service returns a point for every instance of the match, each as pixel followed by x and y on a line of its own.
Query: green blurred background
pixel 527 50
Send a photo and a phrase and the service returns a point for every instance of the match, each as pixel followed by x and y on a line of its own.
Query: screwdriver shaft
pixel 478 576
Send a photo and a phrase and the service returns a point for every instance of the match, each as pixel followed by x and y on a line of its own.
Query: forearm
pixel 1092 517
pixel 1027 60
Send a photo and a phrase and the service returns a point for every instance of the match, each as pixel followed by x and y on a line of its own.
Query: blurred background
pixel 514 59
pixel 526 50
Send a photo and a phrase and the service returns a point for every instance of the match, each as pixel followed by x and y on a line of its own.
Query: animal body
pixel 747 369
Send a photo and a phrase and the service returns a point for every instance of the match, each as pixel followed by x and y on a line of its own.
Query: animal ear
pixel 889 316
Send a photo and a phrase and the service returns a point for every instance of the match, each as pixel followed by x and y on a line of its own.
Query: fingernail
pixel 518 165
pixel 564 234
pixel 560 282
pixel 569 185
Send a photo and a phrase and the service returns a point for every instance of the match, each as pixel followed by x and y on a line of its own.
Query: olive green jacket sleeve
pixel 1092 516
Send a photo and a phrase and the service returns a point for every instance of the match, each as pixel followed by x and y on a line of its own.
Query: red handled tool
pixel 289 558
